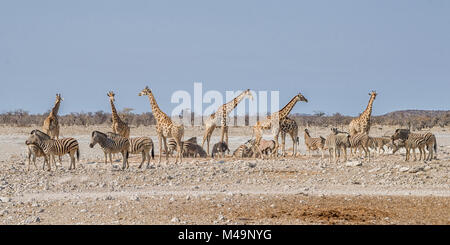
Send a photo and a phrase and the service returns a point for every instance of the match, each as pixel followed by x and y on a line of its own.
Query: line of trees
pixel 415 119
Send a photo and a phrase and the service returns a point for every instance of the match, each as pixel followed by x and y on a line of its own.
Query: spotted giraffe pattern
pixel 118 126
pixel 220 118
pixel 272 122
pixel 165 128
pixel 51 124
pixel 289 126
pixel 362 123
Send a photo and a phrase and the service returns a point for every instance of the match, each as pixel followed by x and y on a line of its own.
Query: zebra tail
pixel 435 146
pixel 153 153
pixel 78 154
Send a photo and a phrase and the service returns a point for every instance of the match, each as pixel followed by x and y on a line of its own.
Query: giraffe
pixel 165 128
pixel 289 126
pixel 220 118
pixel 118 126
pixel 362 123
pixel 272 122
pixel 51 124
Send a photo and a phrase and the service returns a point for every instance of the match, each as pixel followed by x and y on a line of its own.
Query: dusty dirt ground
pixel 300 190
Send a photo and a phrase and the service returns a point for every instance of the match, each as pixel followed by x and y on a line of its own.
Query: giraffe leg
pixel 164 140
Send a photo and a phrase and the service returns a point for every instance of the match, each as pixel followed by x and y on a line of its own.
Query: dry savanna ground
pixel 300 190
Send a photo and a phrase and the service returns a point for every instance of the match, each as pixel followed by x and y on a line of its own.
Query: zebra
pixel 53 148
pixel 243 151
pixel 314 144
pixel 111 145
pixel 34 151
pixel 378 143
pixel 193 149
pixel 360 140
pixel 336 141
pixel 138 145
pixel 417 140
pixel 221 147
pixel 172 144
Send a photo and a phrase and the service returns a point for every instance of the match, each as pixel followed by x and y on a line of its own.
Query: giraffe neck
pixel 155 108
pixel 55 109
pixel 228 107
pixel 368 110
pixel 287 108
pixel 115 116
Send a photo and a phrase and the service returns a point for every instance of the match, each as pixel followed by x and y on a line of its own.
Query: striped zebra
pixel 378 143
pixel 194 150
pixel 336 141
pixel 243 151
pixel 138 145
pixel 185 145
pixel 417 140
pixel 314 144
pixel 34 151
pixel 52 148
pixel 360 140
pixel 111 145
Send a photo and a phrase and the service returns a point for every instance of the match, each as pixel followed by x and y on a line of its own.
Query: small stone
pixel 175 220
pixel 403 169
pixel 353 164
pixel 135 198
pixel 5 199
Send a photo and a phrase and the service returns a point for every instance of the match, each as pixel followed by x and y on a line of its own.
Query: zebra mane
pixel 100 133
pixel 40 134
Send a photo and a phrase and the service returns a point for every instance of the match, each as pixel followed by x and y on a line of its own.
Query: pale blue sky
pixel 334 52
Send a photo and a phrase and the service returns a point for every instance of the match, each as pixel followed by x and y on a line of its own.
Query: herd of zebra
pixel 47 144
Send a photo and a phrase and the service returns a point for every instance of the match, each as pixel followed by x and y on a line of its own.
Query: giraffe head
pixel 300 97
pixel 373 94
pixel 59 98
pixel 145 91
pixel 248 94
pixel 111 95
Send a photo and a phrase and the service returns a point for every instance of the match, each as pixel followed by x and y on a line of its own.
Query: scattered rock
pixel 175 220
pixel 5 199
pixel 403 169
pixel 353 164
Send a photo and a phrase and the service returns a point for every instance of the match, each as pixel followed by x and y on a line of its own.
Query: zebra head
pixel 400 133
pixel 33 140
pixel 97 137
pixel 41 135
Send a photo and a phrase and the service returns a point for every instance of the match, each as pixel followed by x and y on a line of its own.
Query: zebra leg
pixel 106 157
pixel 143 158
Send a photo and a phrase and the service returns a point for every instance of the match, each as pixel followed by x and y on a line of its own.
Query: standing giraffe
pixel 165 128
pixel 289 126
pixel 272 122
pixel 51 124
pixel 362 123
pixel 220 118
pixel 118 126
